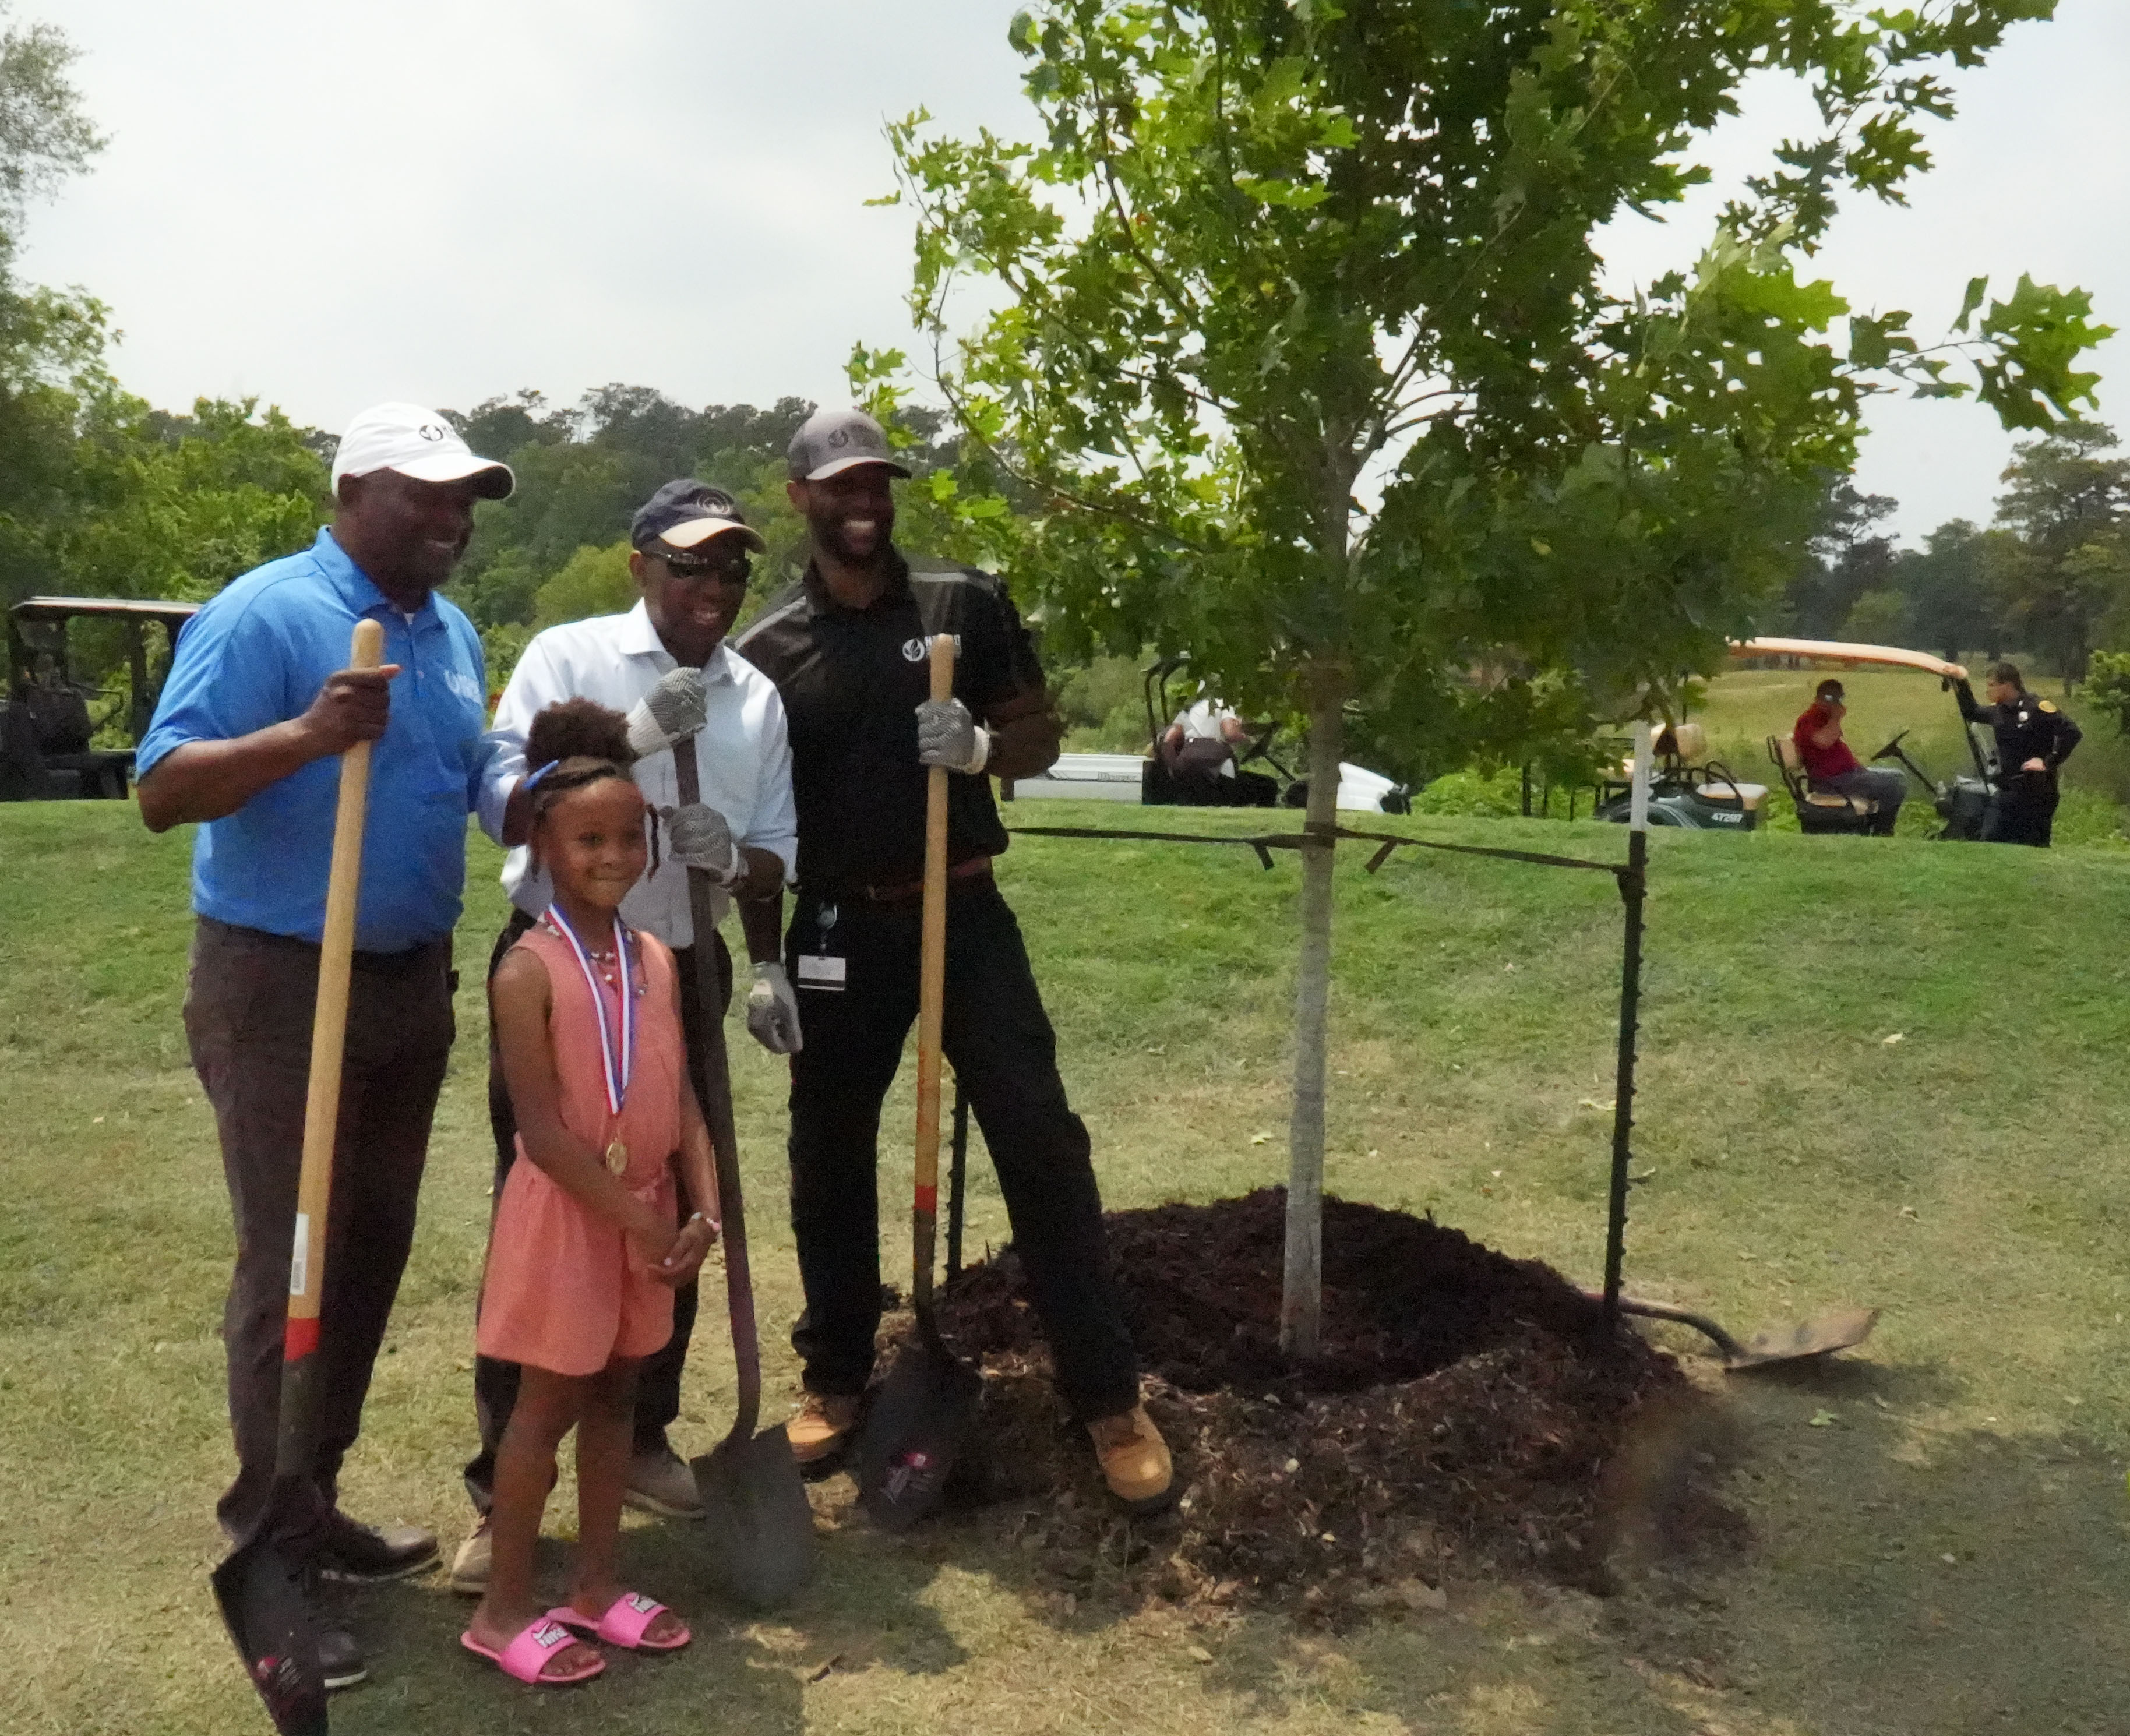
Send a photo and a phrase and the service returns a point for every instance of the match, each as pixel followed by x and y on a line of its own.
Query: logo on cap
pixel 429 431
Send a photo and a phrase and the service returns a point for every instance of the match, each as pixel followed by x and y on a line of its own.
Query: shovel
pixel 758 1523
pixel 259 1588
pixel 920 1416
pixel 1838 1329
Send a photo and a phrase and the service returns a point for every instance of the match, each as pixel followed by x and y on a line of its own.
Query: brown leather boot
pixel 822 1429
pixel 1134 1460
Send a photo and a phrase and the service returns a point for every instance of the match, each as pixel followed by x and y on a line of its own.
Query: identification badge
pixel 816 971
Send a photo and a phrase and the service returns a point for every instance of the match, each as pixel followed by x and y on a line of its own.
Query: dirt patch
pixel 1469 1413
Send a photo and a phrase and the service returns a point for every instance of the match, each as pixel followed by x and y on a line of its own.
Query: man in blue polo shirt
pixel 246 741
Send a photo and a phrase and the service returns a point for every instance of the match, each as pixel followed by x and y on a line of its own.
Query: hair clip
pixel 529 783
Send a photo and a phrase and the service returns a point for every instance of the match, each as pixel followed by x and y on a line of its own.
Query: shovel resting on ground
pixel 920 1416
pixel 1838 1329
pixel 259 1588
pixel 757 1522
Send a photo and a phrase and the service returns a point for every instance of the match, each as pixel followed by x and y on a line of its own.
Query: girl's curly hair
pixel 583 742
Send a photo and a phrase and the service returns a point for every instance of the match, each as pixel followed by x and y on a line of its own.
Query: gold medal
pixel 617 1158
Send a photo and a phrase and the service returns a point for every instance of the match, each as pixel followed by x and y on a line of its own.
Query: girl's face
pixel 591 841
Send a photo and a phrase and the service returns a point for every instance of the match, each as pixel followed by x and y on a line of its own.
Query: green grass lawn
pixel 1938 1520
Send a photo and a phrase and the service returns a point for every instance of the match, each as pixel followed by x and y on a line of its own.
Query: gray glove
pixel 698 837
pixel 772 1010
pixel 947 736
pixel 670 712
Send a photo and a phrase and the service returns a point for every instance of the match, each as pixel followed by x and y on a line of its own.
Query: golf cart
pixel 46 725
pixel 1144 778
pixel 1708 797
pixel 1964 802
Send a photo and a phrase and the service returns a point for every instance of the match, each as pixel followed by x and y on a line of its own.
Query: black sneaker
pixel 353 1554
pixel 339 1658
pixel 341 1662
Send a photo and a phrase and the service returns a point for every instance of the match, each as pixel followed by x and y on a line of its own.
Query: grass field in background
pixel 1890 1073
pixel 1742 708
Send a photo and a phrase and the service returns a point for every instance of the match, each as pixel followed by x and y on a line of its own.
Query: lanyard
pixel 617 1069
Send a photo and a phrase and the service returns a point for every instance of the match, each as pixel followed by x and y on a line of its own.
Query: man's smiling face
pixel 411 534
pixel 850 514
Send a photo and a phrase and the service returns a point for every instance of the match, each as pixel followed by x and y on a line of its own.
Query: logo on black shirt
pixel 914 650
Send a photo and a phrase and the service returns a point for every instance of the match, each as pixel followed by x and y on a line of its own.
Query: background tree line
pixel 2048 580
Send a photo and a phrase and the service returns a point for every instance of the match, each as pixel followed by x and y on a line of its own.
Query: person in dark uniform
pixel 2033 740
pixel 848 650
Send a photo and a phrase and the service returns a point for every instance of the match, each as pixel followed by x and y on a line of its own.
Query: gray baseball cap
pixel 834 441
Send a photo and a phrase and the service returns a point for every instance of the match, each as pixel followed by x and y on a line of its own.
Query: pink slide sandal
pixel 526 1654
pixel 625 1624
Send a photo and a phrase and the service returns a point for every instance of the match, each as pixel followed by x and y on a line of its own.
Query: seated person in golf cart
pixel 1831 765
pixel 1199 750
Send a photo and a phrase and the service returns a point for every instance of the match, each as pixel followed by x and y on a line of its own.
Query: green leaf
pixel 1869 346
pixel 1977 288
pixel 1269 191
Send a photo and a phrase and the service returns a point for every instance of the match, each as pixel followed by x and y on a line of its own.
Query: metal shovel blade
pixel 914 1433
pixel 1836 1330
pixel 757 1524
pixel 261 1596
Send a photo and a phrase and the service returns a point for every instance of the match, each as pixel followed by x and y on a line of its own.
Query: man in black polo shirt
pixel 847 649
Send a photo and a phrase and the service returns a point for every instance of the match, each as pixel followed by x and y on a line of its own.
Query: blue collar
pixel 358 591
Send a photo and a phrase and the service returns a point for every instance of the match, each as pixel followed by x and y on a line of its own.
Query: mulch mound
pixel 1468 1413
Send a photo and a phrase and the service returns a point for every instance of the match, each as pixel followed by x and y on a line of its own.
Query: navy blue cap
pixel 686 512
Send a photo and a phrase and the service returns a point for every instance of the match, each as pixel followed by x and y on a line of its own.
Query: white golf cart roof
pixel 1847 655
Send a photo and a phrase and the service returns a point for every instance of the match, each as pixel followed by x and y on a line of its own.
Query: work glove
pixel 772 1010
pixel 670 713
pixel 947 736
pixel 697 837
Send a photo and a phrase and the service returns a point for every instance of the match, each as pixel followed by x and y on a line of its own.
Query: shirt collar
pixel 356 589
pixel 819 602
pixel 636 637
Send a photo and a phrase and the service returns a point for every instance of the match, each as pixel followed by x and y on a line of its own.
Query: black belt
pixel 961 877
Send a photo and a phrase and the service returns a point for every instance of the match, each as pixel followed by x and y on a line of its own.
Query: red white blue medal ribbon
pixel 617 1068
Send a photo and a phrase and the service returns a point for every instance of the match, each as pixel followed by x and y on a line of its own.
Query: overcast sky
pixel 447 200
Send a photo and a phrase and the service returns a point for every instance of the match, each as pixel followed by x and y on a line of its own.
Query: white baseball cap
pixel 415 442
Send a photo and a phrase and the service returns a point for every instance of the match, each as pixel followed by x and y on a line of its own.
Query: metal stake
pixel 1633 884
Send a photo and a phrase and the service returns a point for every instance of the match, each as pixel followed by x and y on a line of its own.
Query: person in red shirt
pixel 1830 765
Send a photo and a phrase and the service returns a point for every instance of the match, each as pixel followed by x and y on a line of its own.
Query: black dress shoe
pixel 354 1554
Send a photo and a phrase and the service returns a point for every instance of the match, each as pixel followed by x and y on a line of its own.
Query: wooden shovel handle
pixel 931 995
pixel 306 1267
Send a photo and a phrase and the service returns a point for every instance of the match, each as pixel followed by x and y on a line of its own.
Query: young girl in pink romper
pixel 585 1253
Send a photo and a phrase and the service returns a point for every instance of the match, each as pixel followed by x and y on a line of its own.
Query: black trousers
pixel 658 1383
pixel 1004 1057
pixel 2026 811
pixel 248 1011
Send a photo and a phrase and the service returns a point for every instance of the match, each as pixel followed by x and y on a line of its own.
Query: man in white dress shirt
pixel 666 665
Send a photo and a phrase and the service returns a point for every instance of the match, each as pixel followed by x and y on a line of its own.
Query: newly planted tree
pixel 1300 352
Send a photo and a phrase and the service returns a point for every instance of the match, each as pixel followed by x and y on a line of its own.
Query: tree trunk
pixel 1301 1291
